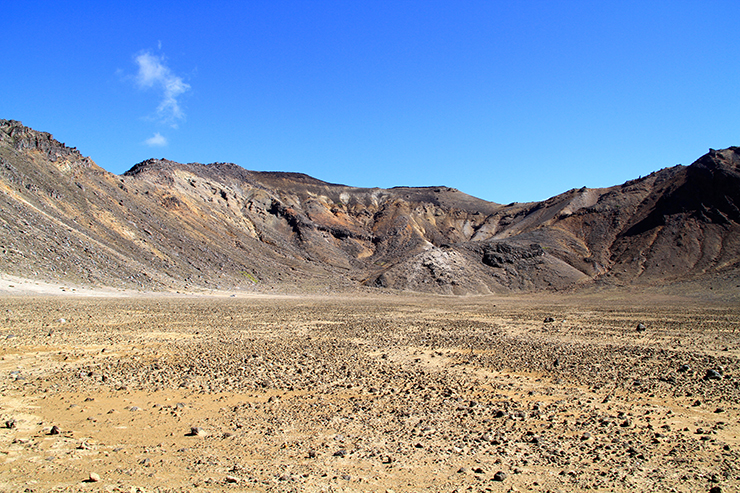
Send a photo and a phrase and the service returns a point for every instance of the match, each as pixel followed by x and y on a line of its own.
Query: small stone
pixel 719 410
pixel 10 424
pixel 197 431
pixel 641 327
pixel 312 454
pixel 549 320
pixel 54 430
pixel 94 477
pixel 715 489
pixel 340 453
pixel 478 470
pixel 684 368
pixel 713 375
pixel 499 476
pixel 586 436
pixel 231 479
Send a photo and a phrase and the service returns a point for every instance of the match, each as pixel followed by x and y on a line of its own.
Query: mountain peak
pixel 168 225
pixel 17 136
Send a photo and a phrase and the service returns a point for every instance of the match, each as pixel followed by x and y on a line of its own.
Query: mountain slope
pixel 167 225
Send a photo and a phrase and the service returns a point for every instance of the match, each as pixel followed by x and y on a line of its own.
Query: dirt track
pixel 368 394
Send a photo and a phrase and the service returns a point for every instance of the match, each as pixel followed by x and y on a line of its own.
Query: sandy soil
pixel 198 393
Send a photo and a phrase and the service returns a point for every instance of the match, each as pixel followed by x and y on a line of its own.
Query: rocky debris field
pixel 529 393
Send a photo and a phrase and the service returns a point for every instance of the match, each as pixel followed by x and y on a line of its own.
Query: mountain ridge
pixel 164 225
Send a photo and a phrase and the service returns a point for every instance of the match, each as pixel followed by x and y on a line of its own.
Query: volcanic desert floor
pixel 369 393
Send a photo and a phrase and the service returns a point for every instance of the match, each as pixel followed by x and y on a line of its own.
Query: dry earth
pixel 204 393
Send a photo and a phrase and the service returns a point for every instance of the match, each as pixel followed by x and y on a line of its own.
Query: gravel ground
pixel 531 393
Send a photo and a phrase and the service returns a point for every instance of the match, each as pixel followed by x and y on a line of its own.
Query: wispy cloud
pixel 156 140
pixel 153 73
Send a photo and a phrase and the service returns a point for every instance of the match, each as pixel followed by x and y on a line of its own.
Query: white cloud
pixel 156 140
pixel 153 73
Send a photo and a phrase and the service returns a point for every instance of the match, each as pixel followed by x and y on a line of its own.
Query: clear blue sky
pixel 504 100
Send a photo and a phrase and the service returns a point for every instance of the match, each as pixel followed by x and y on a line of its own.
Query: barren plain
pixel 537 392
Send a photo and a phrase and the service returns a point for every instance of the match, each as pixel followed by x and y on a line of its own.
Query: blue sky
pixel 507 101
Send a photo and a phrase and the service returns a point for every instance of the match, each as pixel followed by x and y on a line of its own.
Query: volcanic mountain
pixel 164 225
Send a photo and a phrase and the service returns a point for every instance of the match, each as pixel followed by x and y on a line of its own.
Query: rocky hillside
pixel 164 225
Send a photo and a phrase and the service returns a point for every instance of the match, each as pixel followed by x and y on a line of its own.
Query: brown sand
pixel 368 394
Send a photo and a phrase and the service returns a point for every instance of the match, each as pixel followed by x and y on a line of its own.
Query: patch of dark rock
pixel 499 476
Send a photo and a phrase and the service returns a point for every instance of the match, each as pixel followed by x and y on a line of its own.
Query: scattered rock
pixel 344 396
pixel 641 327
pixel 548 320
pixel 94 477
pixel 54 430
pixel 197 431
pixel 713 375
